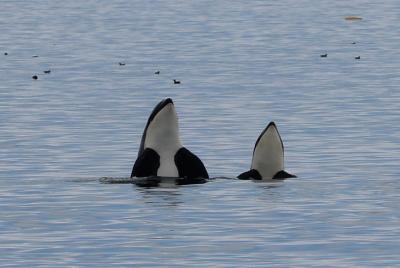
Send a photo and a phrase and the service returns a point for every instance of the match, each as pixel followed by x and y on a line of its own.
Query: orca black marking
pixel 268 157
pixel 146 164
pixel 281 175
pixel 251 174
pixel 161 153
pixel 189 165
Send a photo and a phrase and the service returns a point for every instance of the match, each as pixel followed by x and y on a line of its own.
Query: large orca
pixel 267 162
pixel 161 153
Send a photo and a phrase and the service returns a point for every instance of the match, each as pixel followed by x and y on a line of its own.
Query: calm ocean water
pixel 242 64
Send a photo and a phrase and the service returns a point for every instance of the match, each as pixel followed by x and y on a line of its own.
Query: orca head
pixel 162 130
pixel 268 152
pixel 161 153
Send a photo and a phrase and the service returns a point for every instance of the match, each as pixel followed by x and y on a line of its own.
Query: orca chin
pixel 161 153
pixel 268 157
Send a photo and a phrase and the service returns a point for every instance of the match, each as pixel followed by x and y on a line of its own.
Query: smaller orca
pixel 267 162
pixel 324 55
pixel 161 153
pixel 177 81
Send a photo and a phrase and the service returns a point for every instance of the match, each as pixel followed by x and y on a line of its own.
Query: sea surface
pixel 241 65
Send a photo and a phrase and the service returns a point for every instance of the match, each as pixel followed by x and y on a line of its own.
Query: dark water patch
pixel 153 181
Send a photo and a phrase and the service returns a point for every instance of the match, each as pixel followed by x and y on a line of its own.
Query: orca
pixel 267 162
pixel 161 153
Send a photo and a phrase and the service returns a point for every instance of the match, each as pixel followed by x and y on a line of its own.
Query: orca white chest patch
pixel 167 165
pixel 163 137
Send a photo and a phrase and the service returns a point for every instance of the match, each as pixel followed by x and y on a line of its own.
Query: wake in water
pixel 153 181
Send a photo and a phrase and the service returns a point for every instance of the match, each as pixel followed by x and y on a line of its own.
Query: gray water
pixel 242 64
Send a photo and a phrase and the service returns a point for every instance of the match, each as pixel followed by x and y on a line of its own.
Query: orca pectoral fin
pixel 281 175
pixel 146 164
pixel 189 165
pixel 251 174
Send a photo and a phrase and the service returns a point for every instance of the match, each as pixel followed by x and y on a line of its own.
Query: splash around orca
pixel 161 155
